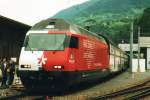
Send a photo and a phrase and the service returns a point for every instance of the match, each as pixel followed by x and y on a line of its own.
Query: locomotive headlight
pixel 28 66
pixel 57 67
pixel 25 66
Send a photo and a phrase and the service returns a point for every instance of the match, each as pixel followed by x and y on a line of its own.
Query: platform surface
pixel 121 81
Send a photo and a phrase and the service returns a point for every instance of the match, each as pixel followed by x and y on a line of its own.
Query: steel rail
pixel 139 95
pixel 133 89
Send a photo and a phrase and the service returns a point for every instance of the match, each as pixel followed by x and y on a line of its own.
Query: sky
pixel 32 11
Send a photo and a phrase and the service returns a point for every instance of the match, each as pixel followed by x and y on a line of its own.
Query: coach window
pixel 74 42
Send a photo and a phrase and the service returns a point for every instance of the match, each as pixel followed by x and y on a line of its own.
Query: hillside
pixel 112 17
pixel 104 7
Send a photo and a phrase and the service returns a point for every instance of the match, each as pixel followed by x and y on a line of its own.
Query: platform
pixel 121 81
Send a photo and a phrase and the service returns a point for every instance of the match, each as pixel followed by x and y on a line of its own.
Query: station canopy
pixel 12 35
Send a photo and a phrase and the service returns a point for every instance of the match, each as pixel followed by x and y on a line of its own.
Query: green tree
pixel 144 22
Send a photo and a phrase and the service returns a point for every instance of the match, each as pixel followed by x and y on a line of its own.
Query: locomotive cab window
pixel 74 42
pixel 26 41
pixel 41 42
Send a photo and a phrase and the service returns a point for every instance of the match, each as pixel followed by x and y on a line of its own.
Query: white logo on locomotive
pixel 42 60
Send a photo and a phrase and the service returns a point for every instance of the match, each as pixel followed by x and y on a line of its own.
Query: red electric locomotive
pixel 56 53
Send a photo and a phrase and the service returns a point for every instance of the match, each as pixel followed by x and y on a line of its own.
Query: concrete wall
pixel 135 65
pixel 144 42
pixel 148 58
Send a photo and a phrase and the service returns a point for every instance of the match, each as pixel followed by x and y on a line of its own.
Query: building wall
pixel 11 43
pixel 12 35
pixel 148 58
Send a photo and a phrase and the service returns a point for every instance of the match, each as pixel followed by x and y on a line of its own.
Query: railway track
pixel 131 93
pixel 140 95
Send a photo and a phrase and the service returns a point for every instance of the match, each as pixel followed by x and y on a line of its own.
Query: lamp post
pixel 131 45
pixel 138 49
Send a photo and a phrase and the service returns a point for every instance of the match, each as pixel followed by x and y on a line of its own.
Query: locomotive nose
pixel 29 60
pixel 55 61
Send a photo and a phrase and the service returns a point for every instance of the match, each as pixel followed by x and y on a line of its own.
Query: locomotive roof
pixel 61 24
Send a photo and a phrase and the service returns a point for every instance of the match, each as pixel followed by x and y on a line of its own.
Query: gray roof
pixel 60 24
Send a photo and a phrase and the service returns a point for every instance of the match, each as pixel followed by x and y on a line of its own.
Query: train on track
pixel 58 53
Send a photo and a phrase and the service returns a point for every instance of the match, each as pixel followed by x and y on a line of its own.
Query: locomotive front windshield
pixel 39 42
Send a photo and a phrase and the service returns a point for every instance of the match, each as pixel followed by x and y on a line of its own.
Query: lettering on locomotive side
pixel 89 54
pixel 89 44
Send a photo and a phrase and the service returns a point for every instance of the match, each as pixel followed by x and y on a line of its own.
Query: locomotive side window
pixel 74 42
